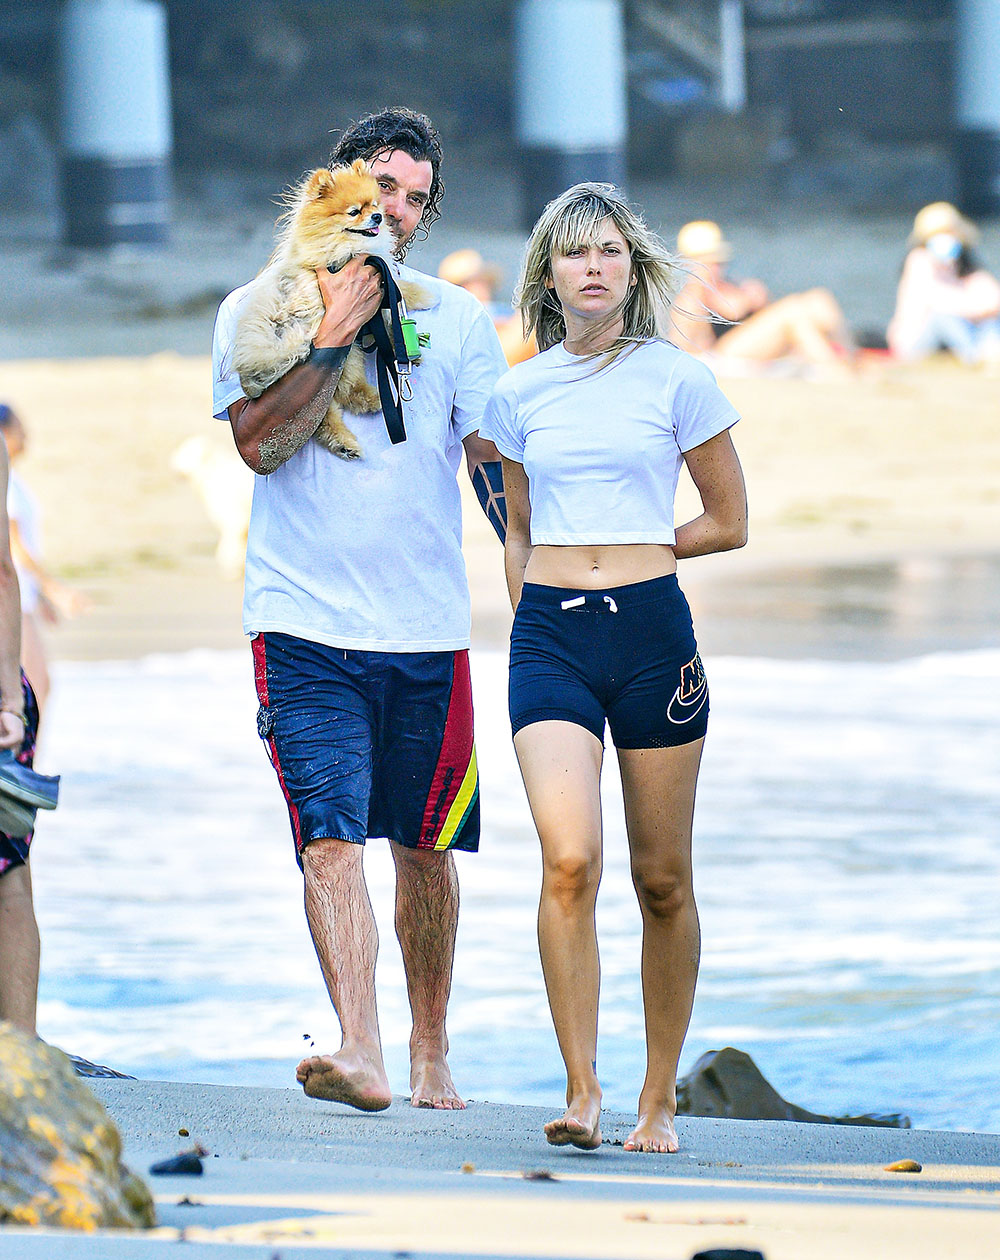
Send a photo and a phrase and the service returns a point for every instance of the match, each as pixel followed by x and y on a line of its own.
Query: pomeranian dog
pixel 332 216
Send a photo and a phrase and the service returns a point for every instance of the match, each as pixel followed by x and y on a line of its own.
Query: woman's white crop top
pixel 603 450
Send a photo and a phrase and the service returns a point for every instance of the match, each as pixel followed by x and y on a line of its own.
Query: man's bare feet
pixel 353 1079
pixel 580 1124
pixel 432 1086
pixel 655 1132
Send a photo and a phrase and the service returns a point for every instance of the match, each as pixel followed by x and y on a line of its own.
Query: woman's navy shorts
pixel 626 655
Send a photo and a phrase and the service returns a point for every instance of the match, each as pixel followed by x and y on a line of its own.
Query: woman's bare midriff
pixel 599 567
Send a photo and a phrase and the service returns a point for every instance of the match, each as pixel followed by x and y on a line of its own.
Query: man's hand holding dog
pixel 270 430
pixel 351 297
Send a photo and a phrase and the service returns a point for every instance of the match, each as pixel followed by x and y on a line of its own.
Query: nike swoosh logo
pixel 680 711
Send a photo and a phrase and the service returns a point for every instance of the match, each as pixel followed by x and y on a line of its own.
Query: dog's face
pixel 338 215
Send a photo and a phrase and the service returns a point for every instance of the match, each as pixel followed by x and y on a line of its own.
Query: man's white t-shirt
pixel 367 554
pixel 602 449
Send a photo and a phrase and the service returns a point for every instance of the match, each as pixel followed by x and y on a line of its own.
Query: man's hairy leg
pixel 343 931
pixel 426 924
pixel 19 950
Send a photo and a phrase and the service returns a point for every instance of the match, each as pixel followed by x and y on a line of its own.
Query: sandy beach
pixel 288 1177
pixel 897 467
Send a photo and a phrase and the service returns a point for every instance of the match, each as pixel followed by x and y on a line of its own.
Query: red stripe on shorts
pixel 456 752
pixel 259 649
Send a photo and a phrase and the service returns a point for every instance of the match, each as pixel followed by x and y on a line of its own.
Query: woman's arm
pixel 736 300
pixel 715 469
pixel 517 548
pixel 978 296
pixel 912 302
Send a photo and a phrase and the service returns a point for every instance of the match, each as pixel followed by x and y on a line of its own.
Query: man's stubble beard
pixel 399 247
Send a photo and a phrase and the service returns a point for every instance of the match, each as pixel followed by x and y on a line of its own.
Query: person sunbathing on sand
pixel 946 300
pixel 737 324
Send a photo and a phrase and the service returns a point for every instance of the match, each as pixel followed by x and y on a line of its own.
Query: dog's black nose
pixel 376 219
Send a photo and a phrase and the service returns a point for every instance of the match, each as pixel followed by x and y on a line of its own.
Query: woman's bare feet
pixel 432 1086
pixel 352 1078
pixel 655 1132
pixel 580 1124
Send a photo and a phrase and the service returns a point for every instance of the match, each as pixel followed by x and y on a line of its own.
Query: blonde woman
pixel 593 433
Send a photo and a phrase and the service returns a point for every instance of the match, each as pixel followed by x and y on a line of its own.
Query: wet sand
pixel 286 1176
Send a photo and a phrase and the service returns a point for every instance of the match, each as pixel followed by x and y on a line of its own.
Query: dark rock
pixel 60 1153
pixel 728 1253
pixel 185 1164
pixel 728 1083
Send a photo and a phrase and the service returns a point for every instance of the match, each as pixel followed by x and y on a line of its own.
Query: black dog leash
pixel 392 358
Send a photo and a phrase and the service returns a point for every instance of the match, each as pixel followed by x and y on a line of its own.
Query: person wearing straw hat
pixel 468 269
pixel 736 323
pixel 946 300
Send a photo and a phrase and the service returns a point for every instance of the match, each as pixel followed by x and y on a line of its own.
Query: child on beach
pixel 593 433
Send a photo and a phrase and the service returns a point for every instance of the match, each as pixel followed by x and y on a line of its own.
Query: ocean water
pixel 847 867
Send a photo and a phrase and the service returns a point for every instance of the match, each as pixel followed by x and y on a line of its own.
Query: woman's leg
pixel 952 332
pixel 561 767
pixel 659 786
pixel 810 325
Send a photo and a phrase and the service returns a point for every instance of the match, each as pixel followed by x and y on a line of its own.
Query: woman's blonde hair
pixel 572 219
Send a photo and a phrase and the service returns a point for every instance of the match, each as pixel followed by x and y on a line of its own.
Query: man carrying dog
pixel 357 605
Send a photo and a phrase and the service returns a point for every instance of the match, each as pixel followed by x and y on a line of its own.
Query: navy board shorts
pixel 626 656
pixel 370 744
pixel 14 849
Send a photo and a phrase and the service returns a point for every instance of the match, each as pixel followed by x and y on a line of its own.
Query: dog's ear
pixel 361 167
pixel 320 183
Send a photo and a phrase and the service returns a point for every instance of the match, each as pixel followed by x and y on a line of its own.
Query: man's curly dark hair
pixel 396 128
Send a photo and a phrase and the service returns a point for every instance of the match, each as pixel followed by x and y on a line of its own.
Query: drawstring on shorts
pixel 580 601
